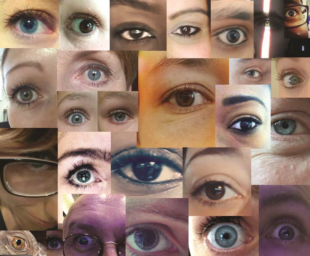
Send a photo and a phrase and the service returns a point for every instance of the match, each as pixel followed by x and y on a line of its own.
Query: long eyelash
pixel 119 111
pixel 53 236
pixel 103 68
pixel 86 16
pixel 17 88
pixel 286 72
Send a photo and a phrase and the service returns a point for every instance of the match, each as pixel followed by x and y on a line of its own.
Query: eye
pixel 285 232
pixel 267 22
pixel 136 34
pixel 119 116
pixel 290 79
pixel 54 243
pixel 76 117
pixel 245 124
pixel 290 13
pixel 83 24
pixel 232 37
pixel 147 239
pixel 252 73
pixel 19 243
pixel 83 175
pixel 24 95
pixel 226 236
pixel 186 31
pixel 285 127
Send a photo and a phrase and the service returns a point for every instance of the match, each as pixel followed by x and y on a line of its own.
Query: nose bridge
pixel 109 250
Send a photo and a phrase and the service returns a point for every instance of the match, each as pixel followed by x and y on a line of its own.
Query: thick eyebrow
pixel 214 151
pixel 187 11
pixel 76 96
pixel 262 15
pixel 137 4
pixel 28 64
pixel 283 198
pixel 129 96
pixel 234 13
pixel 238 99
pixel 92 153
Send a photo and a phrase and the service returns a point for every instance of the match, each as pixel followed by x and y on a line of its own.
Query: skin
pixel 83 103
pixel 47 33
pixel 109 102
pixel 195 46
pixel 296 32
pixel 200 245
pixel 233 169
pixel 73 67
pixel 227 116
pixel 151 21
pixel 95 11
pixel 220 12
pixel 260 71
pixel 286 162
pixel 295 204
pixel 107 213
pixel 126 143
pixel 51 237
pixel 167 216
pixel 167 124
pixel 84 140
pixel 41 74
pixel 298 66
pixel 278 43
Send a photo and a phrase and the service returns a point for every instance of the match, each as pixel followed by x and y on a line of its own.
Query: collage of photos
pixel 155 127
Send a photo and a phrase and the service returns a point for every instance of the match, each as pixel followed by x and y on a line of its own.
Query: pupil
pixel 226 236
pixel 76 119
pixel 185 30
pixel 29 25
pixel 26 95
pixel 120 117
pixel 291 13
pixel 215 190
pixel 86 26
pixel 54 244
pixel 286 233
pixel 233 36
pixel 83 176
pixel 18 242
pixel 146 171
pixel 146 239
pixel 83 241
pixel 94 74
pixel 136 33
pixel 185 99
pixel 285 127
pixel 247 125
pixel 294 80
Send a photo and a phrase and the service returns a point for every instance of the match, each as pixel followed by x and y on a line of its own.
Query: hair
pixel 4 55
pixel 14 142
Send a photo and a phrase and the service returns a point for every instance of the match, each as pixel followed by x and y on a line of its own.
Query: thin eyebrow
pixel 136 4
pixel 238 99
pixel 92 153
pixel 187 11
pixel 283 198
pixel 76 96
pixel 28 64
pixel 234 13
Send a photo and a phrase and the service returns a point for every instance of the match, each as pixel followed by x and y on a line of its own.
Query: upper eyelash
pixel 119 111
pixel 103 68
pixel 195 33
pixel 242 117
pixel 198 189
pixel 13 91
pixel 88 16
pixel 286 72
pixel 75 110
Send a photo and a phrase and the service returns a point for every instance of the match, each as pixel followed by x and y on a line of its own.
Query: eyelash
pixel 197 30
pixel 118 33
pixel 116 111
pixel 18 88
pixel 54 237
pixel 74 111
pixel 247 118
pixel 228 46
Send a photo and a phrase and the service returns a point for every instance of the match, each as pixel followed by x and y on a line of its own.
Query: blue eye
pixel 83 24
pixel 94 74
pixel 76 117
pixel 119 116
pixel 29 25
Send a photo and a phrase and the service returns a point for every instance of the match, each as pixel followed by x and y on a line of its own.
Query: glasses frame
pixel 300 5
pixel 94 237
pixel 7 160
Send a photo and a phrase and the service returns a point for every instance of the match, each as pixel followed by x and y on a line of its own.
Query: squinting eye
pixel 76 117
pixel 226 236
pixel 253 73
pixel 186 31
pixel 245 124
pixel 119 116
pixel 285 232
pixel 19 243
pixel 82 24
pixel 54 243
pixel 232 37
pixel 136 34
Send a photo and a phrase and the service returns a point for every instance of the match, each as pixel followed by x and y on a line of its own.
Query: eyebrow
pixel 129 96
pixel 76 96
pixel 238 99
pixel 92 153
pixel 136 4
pixel 254 60
pixel 283 198
pixel 262 15
pixel 28 64
pixel 187 11
pixel 213 151
pixel 234 13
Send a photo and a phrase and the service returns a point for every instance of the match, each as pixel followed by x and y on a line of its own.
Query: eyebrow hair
pixel 137 4
pixel 213 151
pixel 262 15
pixel 249 60
pixel 31 64
pixel 132 96
pixel 234 13
pixel 238 99
pixel 92 153
pixel 187 11
pixel 76 96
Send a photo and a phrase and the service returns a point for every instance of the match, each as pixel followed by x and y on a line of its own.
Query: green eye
pixel 84 26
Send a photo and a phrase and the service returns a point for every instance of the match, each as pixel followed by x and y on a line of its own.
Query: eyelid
pixel 86 16
pixel 285 72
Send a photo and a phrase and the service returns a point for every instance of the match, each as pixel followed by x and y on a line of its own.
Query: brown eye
pixel 19 243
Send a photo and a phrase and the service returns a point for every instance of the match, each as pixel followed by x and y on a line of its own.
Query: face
pixel 290 146
pixel 142 25
pixel 293 77
pixel 84 25
pixel 91 214
pixel 157 226
pixel 284 220
pixel 243 116
pixel 249 71
pixel 84 166
pixel 54 243
pixel 178 111
pixel 77 111
pixel 29 24
pixel 242 233
pixel 118 111
pixel 188 33
pixel 90 71
pixel 274 19
pixel 217 181
pixel 232 31
pixel 30 82
pixel 145 172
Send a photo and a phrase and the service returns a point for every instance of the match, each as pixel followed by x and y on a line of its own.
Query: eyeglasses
pixel 29 177
pixel 295 15
pixel 87 245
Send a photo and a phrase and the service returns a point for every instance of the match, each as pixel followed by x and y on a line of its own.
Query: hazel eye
pixel 232 37
pixel 26 95
pixel 19 243
pixel 245 124
pixel 136 34
pixel 186 31
pixel 76 117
